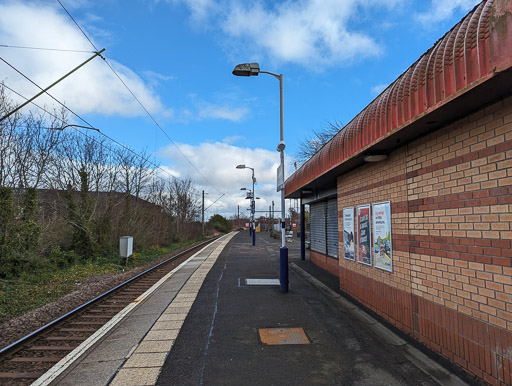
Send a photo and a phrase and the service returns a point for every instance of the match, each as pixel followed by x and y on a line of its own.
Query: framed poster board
pixel 349 251
pixel 382 249
pixel 364 242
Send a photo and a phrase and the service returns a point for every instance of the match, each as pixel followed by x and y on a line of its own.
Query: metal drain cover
pixel 281 336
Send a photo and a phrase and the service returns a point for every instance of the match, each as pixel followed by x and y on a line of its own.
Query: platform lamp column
pixel 253 69
pixel 253 202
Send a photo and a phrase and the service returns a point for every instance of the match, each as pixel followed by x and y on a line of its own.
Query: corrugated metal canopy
pixel 468 68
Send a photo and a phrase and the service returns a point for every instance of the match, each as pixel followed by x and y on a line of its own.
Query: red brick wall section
pixel 325 262
pixel 451 200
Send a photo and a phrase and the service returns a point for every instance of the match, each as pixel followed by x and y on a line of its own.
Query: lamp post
pixel 253 69
pixel 253 202
pixel 249 195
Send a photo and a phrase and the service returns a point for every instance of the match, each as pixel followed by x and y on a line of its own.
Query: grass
pixel 35 289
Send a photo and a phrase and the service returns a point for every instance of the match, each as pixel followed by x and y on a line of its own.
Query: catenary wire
pixel 140 103
pixel 74 21
pixel 45 49
pixel 156 166
pixel 84 121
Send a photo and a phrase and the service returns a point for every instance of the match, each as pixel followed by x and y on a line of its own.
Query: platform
pixel 220 319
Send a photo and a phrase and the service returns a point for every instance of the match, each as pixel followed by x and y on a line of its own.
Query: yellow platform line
pixel 144 364
pixel 86 345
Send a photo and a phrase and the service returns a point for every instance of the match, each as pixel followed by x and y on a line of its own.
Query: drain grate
pixel 281 336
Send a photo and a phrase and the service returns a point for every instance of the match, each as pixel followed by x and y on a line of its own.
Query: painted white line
pixel 262 282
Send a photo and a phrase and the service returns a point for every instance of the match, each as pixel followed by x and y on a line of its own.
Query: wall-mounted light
pixel 375 157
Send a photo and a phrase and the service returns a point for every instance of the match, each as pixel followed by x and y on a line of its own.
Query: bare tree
pixel 34 148
pixel 313 143
pixel 135 171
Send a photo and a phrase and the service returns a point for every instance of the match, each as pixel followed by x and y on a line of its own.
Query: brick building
pixel 442 138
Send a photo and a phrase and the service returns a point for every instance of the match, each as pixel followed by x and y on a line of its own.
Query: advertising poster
pixel 349 251
pixel 364 250
pixel 382 250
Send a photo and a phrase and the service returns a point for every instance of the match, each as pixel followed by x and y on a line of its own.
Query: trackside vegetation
pixel 66 198
pixel 64 272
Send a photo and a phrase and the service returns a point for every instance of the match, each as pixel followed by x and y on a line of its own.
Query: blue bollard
pixel 283 279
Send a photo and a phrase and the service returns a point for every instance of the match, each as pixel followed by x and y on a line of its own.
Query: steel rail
pixel 13 346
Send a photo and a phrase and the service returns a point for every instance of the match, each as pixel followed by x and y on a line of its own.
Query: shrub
pixel 19 233
pixel 219 223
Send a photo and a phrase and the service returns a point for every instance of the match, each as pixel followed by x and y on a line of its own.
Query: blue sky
pixel 176 56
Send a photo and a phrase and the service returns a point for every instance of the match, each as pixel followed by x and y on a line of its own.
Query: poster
pixel 364 251
pixel 348 234
pixel 382 250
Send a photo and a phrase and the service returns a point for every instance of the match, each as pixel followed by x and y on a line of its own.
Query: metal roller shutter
pixel 317 227
pixel 332 228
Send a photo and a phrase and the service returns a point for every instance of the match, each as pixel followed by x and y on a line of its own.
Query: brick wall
pixel 325 262
pixel 451 204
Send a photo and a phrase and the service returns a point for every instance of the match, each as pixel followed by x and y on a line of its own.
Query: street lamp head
pixel 240 166
pixel 243 188
pixel 247 69
pixel 280 146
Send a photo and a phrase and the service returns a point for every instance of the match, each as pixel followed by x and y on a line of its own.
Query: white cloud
pixel 310 32
pixel 307 32
pixel 217 164
pixel 155 78
pixel 233 139
pixel 200 110
pixel 209 111
pixel 92 88
pixel 376 90
pixel 200 9
pixel 441 10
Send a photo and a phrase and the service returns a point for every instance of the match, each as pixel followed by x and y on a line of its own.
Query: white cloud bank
pixel 311 33
pixel 217 164
pixel 92 88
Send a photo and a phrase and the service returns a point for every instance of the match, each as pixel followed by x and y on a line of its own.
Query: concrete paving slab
pixel 145 360
pixel 172 317
pixel 167 325
pixel 176 310
pixel 136 377
pixel 154 346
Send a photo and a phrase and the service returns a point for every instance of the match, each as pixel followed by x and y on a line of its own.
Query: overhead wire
pixel 154 165
pixel 46 49
pixel 140 103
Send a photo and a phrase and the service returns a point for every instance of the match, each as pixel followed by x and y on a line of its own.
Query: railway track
pixel 25 360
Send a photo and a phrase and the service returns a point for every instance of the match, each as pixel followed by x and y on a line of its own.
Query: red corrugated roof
pixel 478 48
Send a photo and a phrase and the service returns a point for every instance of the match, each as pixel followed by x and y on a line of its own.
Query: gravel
pixel 18 327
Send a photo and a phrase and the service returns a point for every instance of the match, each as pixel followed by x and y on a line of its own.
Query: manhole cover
pixel 279 336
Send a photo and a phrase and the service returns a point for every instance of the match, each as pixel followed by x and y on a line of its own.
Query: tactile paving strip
pixel 281 336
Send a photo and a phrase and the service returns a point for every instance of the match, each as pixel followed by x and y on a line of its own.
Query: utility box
pixel 126 246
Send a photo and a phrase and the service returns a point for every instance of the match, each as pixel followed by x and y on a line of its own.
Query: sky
pixel 166 86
